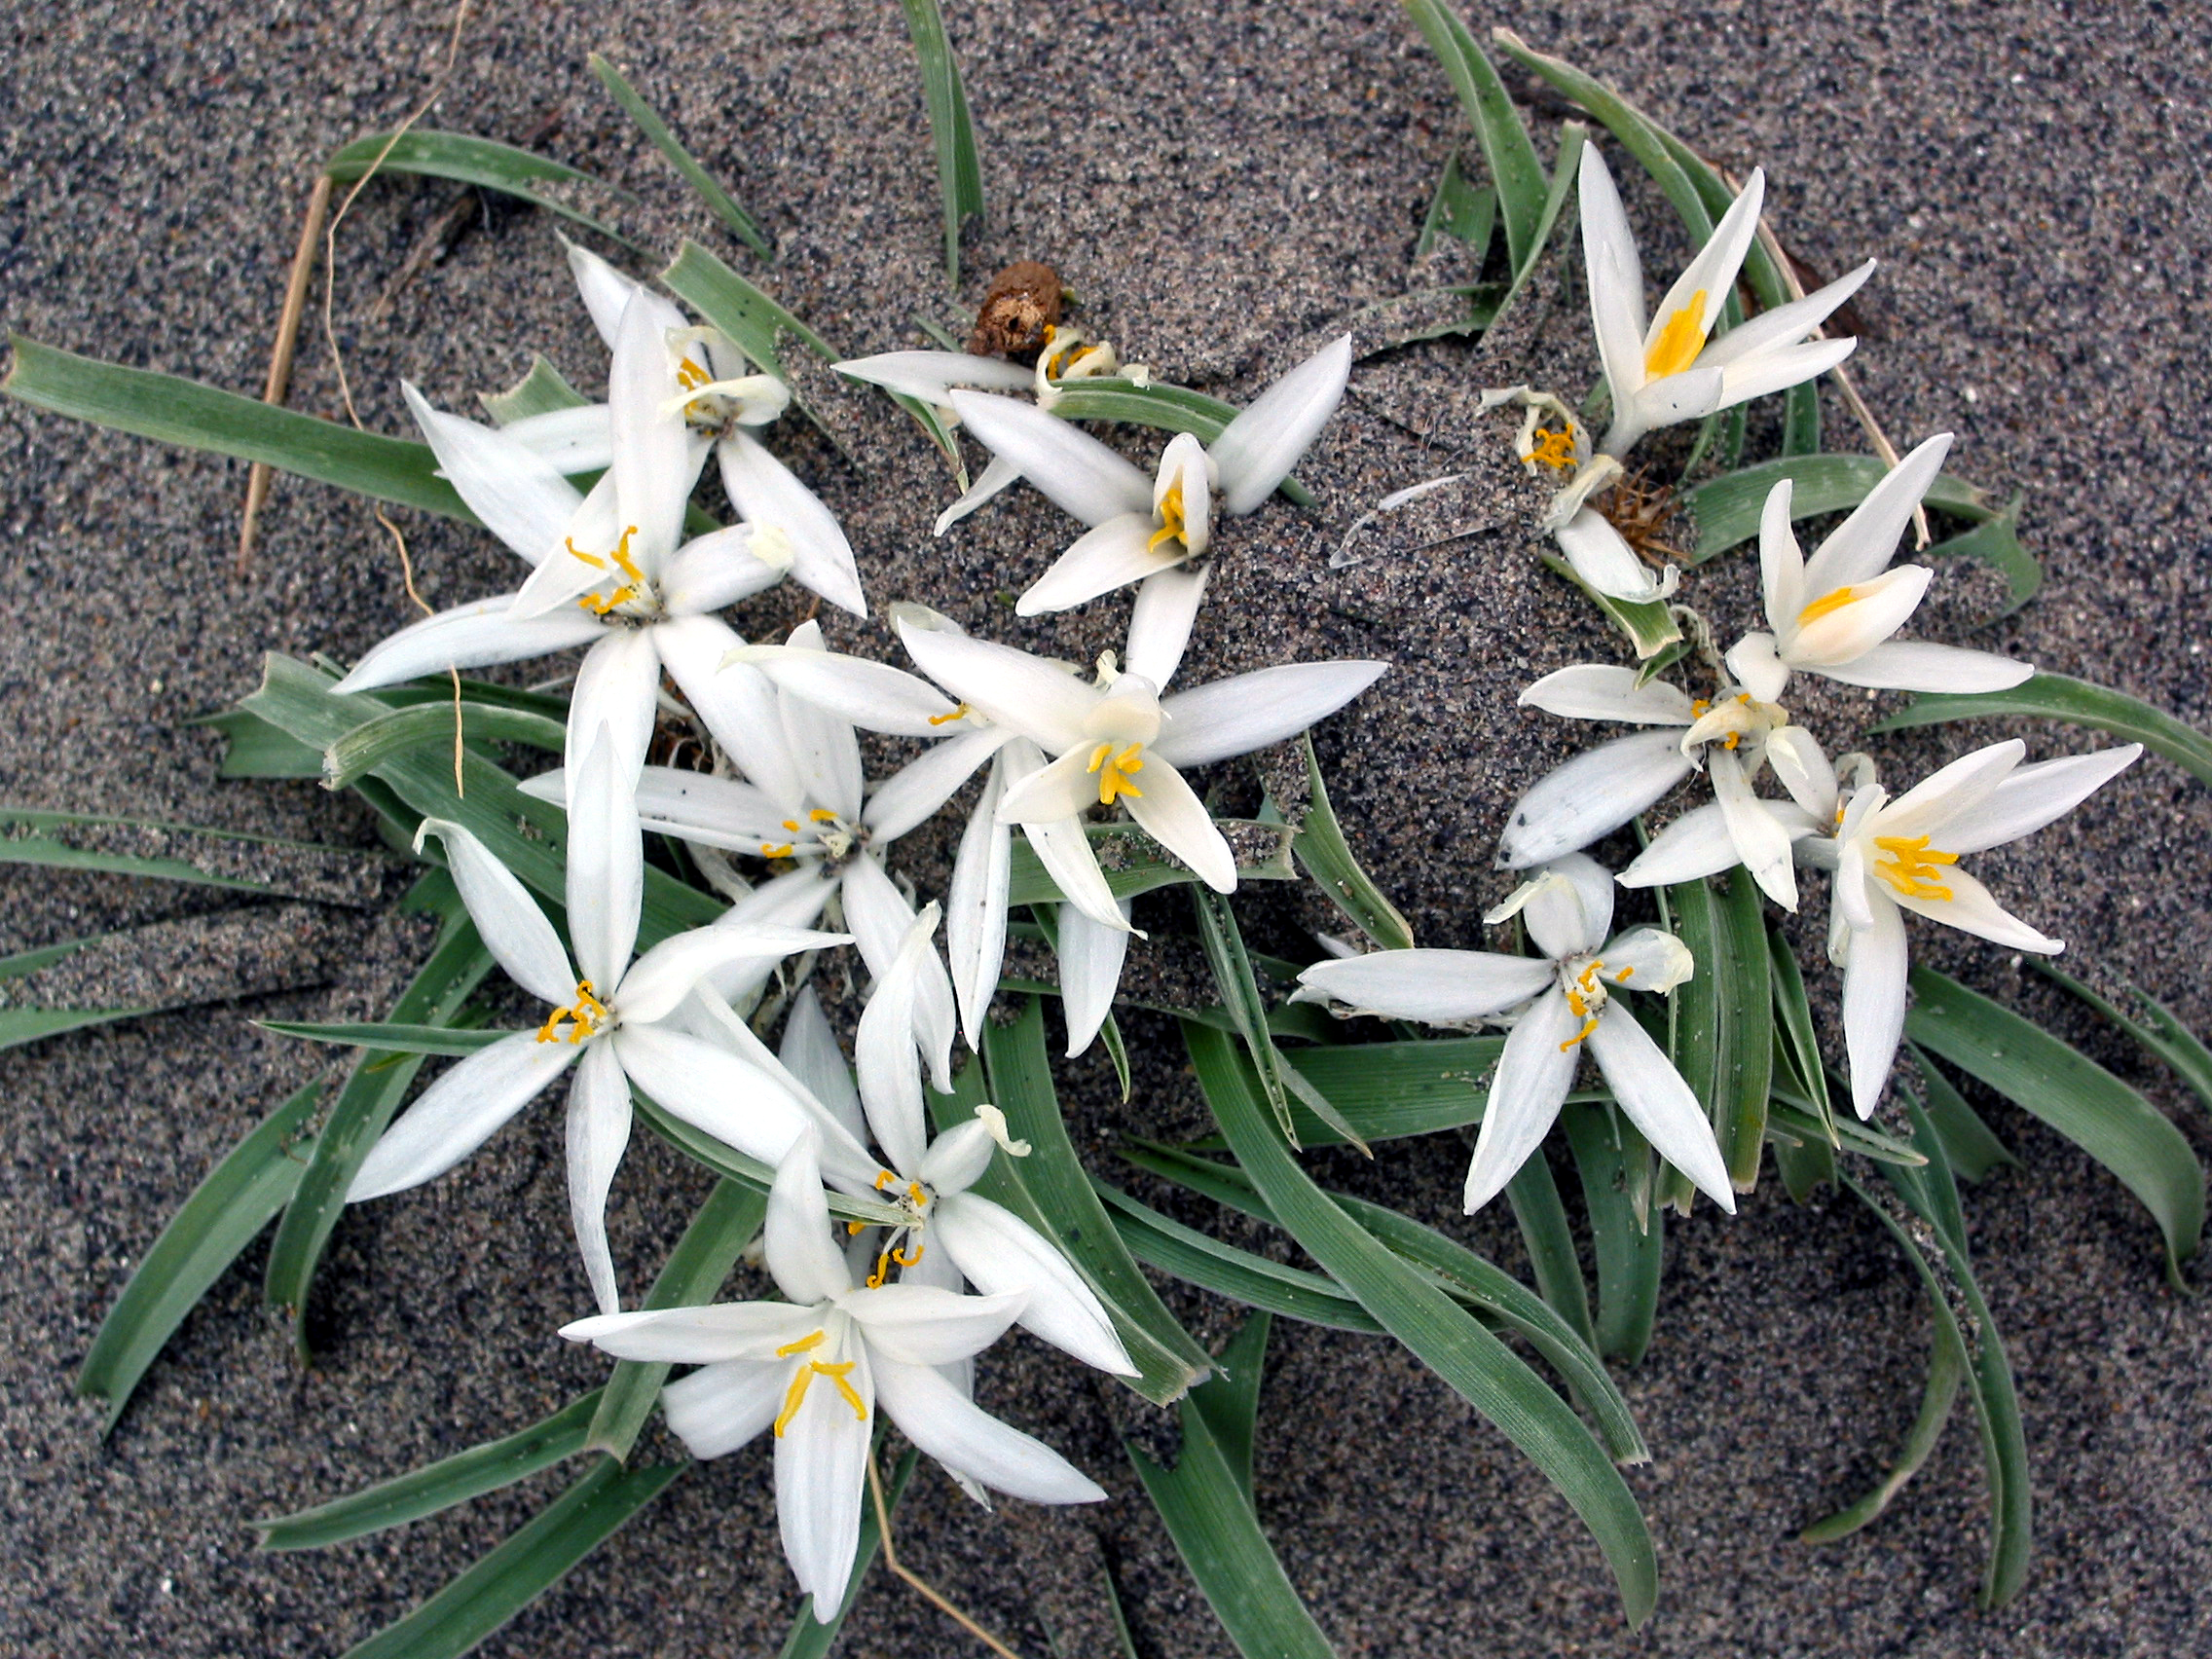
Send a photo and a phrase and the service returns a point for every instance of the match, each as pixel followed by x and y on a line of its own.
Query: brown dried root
pixel 1022 306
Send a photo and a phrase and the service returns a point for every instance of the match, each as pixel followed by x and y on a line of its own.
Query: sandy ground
pixel 1224 184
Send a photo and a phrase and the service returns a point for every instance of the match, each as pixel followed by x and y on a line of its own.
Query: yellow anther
pixel 584 1016
pixel 1827 604
pixel 959 713
pixel 822 815
pixel 1699 705
pixel 1679 341
pixel 883 1179
pixel 1171 527
pixel 882 1271
pixel 1588 978
pixel 591 559
pixel 690 376
pixel 1115 770
pixel 1624 974
pixel 775 850
pixel 1555 450
pixel 905 1260
pixel 805 1344
pixel 853 1229
pixel 915 1193
pixel 791 824
pixel 1912 866
pixel 1589 1024
pixel 796 1396
pixel 599 604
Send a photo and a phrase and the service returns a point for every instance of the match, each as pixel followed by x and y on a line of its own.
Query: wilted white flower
pixel 816 1368
pixel 1141 526
pixel 1833 615
pixel 1672 370
pixel 611 1017
pixel 1565 1003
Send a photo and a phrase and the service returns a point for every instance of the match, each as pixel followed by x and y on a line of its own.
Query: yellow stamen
pixel 1624 974
pixel 1171 527
pixel 1827 604
pixel 882 1271
pixel 883 1179
pixel 1115 770
pixel 822 815
pixel 791 824
pixel 1679 341
pixel 775 851
pixel 690 376
pixel 1555 450
pixel 905 1260
pixel 853 1229
pixel 1589 1024
pixel 600 605
pixel 796 1396
pixel 1578 998
pixel 805 1344
pixel 915 1193
pixel 1912 866
pixel 959 713
pixel 584 1013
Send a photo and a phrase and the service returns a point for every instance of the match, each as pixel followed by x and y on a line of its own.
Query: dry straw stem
pixel 920 1585
pixel 280 356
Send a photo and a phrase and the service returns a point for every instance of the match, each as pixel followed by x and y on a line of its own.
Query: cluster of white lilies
pixel 1833 616
pixel 876 1313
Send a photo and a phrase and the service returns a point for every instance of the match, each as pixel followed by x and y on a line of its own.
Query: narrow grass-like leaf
pixel 1727 509
pixel 1327 856
pixel 430 727
pixel 1793 1024
pixel 1946 1373
pixel 2072 1093
pixel 1161 406
pixel 456 965
pixel 1209 1514
pixel 1514 169
pixel 20 1025
pixel 720 202
pixel 1550 1243
pixel 176 411
pixel 1649 625
pixel 695 1268
pixel 224 1213
pixel 543 390
pixel 1466 213
pixel 68 840
pixel 1136 864
pixel 1565 168
pixel 959 175
pixel 1787 1117
pixel 1995 542
pixel 1627 1238
pixel 1743 965
pixel 1389 1091
pixel 435 1487
pixel 530 1563
pixel 1698 1011
pixel 1445 1337
pixel 429 153
pixel 2158 1028
pixel 1230 1399
pixel 254 748
pixel 387 1037
pixel 1969 1145
pixel 2061 697
pixel 1049 1191
pixel 1163 1243
pixel 810 1640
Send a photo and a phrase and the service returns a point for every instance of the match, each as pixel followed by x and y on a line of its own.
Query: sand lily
pixel 1833 615
pixel 804 806
pixel 1139 527
pixel 953 1236
pixel 1891 857
pixel 1116 739
pixel 1671 369
pixel 1565 1003
pixel 1734 736
pixel 815 1369
pixel 612 1019
pixel 723 402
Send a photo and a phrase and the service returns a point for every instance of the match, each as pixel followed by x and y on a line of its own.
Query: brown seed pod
pixel 1024 302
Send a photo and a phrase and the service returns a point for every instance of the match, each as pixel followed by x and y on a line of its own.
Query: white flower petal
pixel 890 1071
pixel 1699 843
pixel 872 695
pixel 955 1162
pixel 1605 561
pixel 715 569
pixel 1647 959
pixel 522 498
pixel 1257 450
pixel 880 917
pixel 2029 797
pixel 726 1332
pixel 513 929
pixel 1913 665
pixel 572 441
pixel 616 688
pixel 914 793
pixel 1571 913
pixel 1010 688
pixel 999 475
pixel 1784 326
pixel 1250 710
pixel 1873 1002
pixel 965 1438
pixel 716 1410
pixel 1804 769
pixel 1063 789
pixel 740 1104
pixel 665 975
pixel 1072 469
pixel 795 1238
pixel 1710 278
pixel 598 1132
pixel 1090 959
pixel 1000 1253
pixel 1948 793
pixel 976 906
pixel 1781 564
pixel 606 860
pixel 1436 987
pixel 1761 842
pixel 1778 368
pixel 793 899
pixel 1170 812
pixel 931 376
pixel 810 1053
pixel 656 456
pixel 821 1467
pixel 921 1324
pixel 1861 548
pixel 1160 622
pixel 1659 1103
pixel 828 753
pixel 459 1113
pixel 1758 666
pixel 1972 908
pixel 739 705
pixel 1111 555
pixel 697 806
pixel 1865 614
pixel 765 493
pixel 1601 691
pixel 1615 276
pixel 1593 794
pixel 605 291
pixel 477 634
pixel 1525 1092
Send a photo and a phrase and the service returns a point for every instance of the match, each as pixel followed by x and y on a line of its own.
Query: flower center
pixel 1827 604
pixel 1555 450
pixel 599 604
pixel 804 1376
pixel 1170 511
pixel 583 1018
pixel 915 1204
pixel 1586 996
pixel 831 836
pixel 1115 770
pixel 1679 341
pixel 1911 866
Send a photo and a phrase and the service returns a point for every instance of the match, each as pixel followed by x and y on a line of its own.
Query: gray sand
pixel 1223 185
